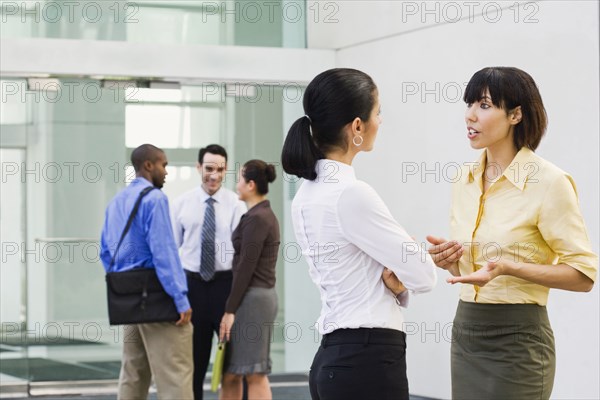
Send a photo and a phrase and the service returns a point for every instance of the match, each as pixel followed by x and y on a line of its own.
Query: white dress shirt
pixel 188 217
pixel 348 235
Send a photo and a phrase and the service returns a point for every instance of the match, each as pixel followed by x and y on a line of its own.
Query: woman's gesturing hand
pixel 445 254
pixel 483 275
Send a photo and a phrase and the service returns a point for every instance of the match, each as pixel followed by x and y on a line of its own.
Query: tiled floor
pixel 278 394
pixel 284 387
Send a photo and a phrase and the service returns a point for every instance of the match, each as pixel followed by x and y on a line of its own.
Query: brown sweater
pixel 256 244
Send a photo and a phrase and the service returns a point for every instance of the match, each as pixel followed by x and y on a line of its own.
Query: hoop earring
pixel 359 142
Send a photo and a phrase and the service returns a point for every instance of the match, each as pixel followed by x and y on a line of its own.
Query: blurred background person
pixel 160 350
pixel 203 220
pixel 252 303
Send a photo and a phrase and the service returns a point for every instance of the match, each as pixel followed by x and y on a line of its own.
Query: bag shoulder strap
pixel 129 222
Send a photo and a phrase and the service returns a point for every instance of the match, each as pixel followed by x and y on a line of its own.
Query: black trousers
pixel 365 363
pixel 207 300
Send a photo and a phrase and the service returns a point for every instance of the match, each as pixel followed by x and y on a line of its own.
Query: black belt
pixel 364 336
pixel 219 275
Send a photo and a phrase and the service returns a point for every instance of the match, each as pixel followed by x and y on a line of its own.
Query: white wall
pixel 403 48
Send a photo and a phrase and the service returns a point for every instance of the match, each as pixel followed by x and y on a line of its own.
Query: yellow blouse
pixel 530 214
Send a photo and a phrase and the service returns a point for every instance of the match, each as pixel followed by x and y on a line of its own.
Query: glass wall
pixel 59 168
pixel 243 22
pixel 65 149
pixel 65 144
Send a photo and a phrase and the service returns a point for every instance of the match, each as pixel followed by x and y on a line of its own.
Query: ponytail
pixel 331 101
pixel 300 154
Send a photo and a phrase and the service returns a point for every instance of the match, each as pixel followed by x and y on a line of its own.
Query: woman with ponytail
pixel 252 303
pixel 349 237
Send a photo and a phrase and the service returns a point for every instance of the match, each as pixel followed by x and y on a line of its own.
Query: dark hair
pixel 261 173
pixel 332 99
pixel 509 88
pixel 212 149
pixel 145 152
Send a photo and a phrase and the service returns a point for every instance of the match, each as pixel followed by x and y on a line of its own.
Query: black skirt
pixel 502 351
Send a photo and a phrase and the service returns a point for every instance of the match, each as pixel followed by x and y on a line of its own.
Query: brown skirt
pixel 502 351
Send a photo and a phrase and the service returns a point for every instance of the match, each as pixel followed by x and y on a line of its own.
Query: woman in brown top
pixel 252 303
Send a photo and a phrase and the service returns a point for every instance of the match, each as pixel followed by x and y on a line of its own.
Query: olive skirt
pixel 502 351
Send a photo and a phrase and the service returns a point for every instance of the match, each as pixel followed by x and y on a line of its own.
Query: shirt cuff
pixel 402 299
pixel 182 303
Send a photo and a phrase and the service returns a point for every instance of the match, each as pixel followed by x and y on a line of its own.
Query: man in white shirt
pixel 203 221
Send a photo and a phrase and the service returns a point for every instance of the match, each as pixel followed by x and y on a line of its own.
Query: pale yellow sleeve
pixel 562 227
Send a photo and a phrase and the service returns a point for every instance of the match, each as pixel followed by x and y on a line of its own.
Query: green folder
pixel 217 371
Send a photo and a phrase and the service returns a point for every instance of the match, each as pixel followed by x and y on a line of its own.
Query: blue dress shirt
pixel 149 242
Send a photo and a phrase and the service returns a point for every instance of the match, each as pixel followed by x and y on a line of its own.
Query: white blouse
pixel 348 236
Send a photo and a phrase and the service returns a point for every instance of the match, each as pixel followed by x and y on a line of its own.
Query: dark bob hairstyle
pixel 509 88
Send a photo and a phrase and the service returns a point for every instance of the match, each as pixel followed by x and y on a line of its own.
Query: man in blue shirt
pixel 164 348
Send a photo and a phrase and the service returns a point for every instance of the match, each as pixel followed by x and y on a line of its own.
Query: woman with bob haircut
pixel 516 232
pixel 348 235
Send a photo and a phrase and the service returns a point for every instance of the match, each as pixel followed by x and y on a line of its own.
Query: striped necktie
pixel 207 257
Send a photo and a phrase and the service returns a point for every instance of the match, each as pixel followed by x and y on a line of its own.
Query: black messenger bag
pixel 137 296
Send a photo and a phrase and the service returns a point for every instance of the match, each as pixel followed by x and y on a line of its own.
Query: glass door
pixel 68 143
pixel 13 274
pixel 70 162
pixel 76 161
